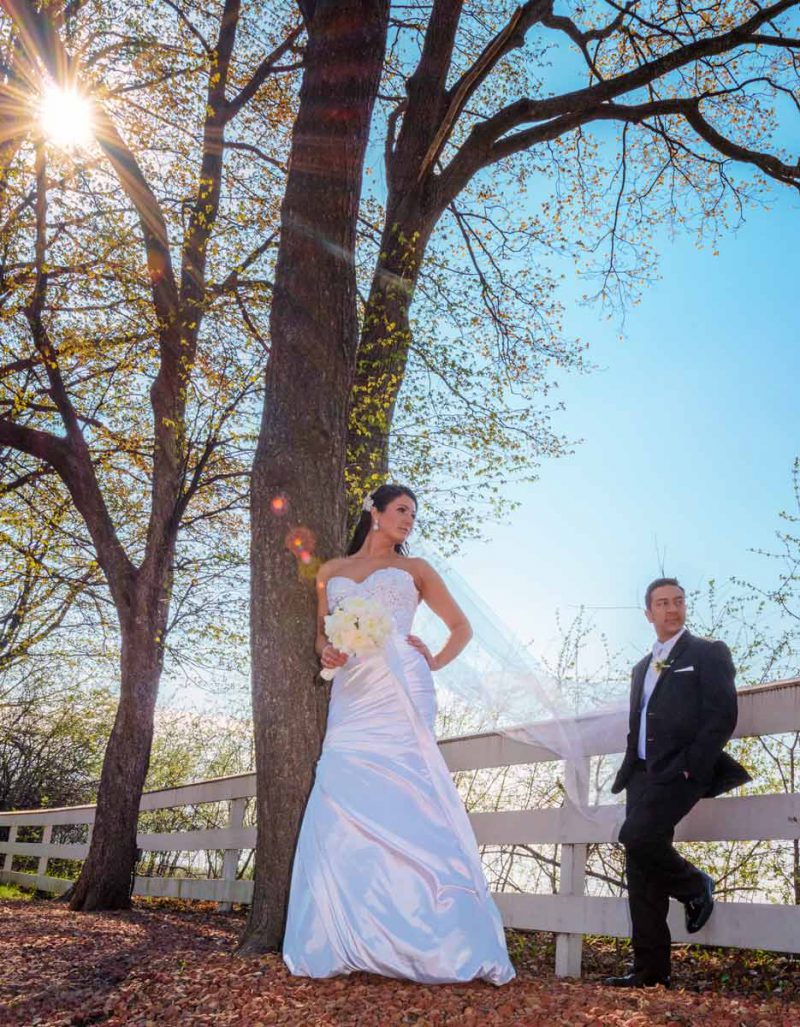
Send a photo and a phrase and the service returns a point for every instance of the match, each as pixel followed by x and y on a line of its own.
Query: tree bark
pixel 105 881
pixel 301 449
pixel 384 345
pixel 413 208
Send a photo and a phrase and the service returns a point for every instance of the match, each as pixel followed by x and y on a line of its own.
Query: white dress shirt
pixel 661 651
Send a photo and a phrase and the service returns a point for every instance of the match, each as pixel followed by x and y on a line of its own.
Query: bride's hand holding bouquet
pixel 357 627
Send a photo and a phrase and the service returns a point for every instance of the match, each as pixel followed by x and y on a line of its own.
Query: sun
pixel 65 117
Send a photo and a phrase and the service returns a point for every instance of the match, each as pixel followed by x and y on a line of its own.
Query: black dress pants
pixel 656 871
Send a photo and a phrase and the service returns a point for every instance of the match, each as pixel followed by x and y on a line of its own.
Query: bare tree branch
pixel 512 35
pixel 489 142
pixel 184 18
pixel 267 67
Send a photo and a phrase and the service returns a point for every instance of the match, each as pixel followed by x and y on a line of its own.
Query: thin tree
pixel 54 414
pixel 693 92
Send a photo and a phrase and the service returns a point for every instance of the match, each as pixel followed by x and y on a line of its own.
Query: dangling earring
pixel 376 526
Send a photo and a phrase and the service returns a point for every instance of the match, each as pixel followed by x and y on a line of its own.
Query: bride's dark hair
pixel 381 497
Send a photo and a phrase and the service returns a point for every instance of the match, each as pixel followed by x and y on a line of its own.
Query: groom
pixel 683 711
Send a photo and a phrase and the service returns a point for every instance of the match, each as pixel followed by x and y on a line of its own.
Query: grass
pixel 11 891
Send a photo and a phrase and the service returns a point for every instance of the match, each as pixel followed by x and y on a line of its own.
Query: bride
pixel 387 877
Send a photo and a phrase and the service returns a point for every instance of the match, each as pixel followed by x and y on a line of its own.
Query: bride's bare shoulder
pixel 418 568
pixel 330 568
pixel 418 563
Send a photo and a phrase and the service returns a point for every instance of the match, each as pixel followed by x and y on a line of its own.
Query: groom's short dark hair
pixel 658 583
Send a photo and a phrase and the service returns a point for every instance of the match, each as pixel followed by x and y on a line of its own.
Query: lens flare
pixel 278 504
pixel 307 568
pixel 300 540
pixel 65 117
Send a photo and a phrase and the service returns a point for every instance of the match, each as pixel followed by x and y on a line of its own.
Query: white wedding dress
pixel 387 877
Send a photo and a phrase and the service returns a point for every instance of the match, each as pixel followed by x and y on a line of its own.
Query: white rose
pixel 348 640
pixel 371 624
pixel 361 641
pixel 335 623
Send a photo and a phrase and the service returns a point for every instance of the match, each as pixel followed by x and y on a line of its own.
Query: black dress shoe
pixel 638 979
pixel 700 909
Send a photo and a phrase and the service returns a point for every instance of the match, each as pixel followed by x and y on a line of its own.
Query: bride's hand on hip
pixel 419 645
pixel 331 657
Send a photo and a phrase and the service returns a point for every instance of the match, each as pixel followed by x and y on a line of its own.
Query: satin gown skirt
pixel 387 877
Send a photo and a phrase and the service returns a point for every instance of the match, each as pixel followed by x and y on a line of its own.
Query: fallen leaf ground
pixel 168 964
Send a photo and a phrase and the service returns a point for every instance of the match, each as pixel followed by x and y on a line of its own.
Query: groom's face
pixel 667 611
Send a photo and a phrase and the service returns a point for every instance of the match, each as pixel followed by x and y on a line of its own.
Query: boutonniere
pixel 661 665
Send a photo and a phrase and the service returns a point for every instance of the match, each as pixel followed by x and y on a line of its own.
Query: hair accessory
pixel 368 503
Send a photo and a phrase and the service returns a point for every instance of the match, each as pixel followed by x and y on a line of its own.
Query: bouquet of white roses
pixel 356 627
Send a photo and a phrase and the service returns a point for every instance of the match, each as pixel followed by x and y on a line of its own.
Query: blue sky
pixel 690 428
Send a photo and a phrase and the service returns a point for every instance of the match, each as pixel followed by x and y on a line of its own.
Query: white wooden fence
pixel 770 709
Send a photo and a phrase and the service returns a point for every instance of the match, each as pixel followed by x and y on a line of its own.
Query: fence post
pixel 47 837
pixel 8 862
pixel 230 861
pixel 571 880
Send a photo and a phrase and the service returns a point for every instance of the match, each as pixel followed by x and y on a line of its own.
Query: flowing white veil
pixel 501 687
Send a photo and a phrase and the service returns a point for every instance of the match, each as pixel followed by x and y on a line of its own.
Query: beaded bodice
pixel 392 587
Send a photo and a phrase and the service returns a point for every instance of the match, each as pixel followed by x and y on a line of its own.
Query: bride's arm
pixel 435 593
pixel 322 611
pixel 328 654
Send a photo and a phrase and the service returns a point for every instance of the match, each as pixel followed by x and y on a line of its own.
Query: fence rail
pixel 768 709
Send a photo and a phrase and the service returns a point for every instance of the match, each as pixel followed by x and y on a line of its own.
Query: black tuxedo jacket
pixel 690 716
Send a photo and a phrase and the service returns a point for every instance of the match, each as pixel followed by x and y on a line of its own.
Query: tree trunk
pixel 105 881
pixel 301 449
pixel 384 344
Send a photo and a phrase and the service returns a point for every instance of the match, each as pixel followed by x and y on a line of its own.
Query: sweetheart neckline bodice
pixel 393 587
pixel 378 570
